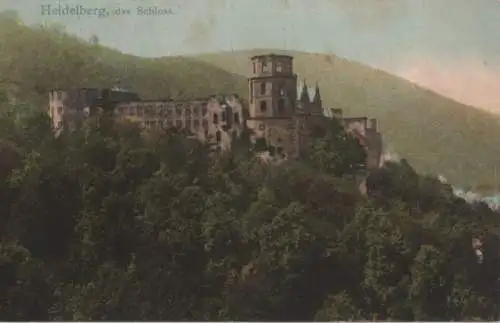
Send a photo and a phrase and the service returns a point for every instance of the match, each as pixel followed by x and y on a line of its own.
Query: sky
pixel 450 46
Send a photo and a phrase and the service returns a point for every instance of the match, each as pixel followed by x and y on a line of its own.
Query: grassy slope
pixel 418 124
pixel 435 134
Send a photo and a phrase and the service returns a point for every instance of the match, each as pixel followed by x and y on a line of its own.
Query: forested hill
pixel 105 224
pixel 435 134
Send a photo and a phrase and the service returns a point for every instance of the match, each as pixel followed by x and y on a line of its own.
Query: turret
pixel 304 94
pixel 317 96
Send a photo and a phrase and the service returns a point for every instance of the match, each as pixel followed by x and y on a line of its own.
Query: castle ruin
pixel 278 112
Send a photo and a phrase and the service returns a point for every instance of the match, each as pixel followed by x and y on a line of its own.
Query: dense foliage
pixel 107 224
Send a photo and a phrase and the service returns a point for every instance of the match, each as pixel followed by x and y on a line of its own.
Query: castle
pixel 277 112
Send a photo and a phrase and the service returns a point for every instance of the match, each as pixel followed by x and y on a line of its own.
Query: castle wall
pixel 215 120
pixel 374 149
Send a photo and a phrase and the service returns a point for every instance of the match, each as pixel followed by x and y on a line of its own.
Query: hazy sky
pixel 451 46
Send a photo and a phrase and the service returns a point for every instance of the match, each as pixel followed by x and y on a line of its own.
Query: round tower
pixel 272 102
pixel 272 87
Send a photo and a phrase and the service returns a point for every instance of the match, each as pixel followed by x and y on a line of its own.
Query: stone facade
pixel 278 112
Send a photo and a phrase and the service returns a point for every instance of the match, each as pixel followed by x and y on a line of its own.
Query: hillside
pixel 436 134
pixel 34 60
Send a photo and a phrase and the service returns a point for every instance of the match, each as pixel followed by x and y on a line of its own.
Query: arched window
pixel 263 106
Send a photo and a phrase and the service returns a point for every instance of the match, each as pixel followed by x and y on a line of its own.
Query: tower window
pixel 263 88
pixel 263 106
pixel 279 67
pixel 216 118
pixel 281 106
pixel 264 67
pixel 254 69
pixel 236 117
pixel 217 136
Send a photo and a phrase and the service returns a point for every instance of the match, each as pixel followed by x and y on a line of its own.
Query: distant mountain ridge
pixel 417 123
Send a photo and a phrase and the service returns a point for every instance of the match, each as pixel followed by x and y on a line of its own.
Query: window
pixel 279 67
pixel 216 118
pixel 264 67
pixel 282 91
pixel 261 126
pixel 59 95
pixel 217 136
pixel 196 124
pixel 263 88
pixel 223 116
pixel 263 106
pixel 59 110
pixel 281 106
pixel 59 124
pixel 254 69
pixel 236 118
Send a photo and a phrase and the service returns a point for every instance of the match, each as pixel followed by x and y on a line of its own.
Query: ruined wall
pixel 66 107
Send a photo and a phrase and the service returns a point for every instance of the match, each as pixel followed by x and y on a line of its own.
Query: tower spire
pixel 304 95
pixel 317 96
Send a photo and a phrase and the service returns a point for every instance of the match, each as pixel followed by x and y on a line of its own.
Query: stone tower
pixel 272 101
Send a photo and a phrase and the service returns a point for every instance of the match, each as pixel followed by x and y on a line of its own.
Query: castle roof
pixel 271 55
